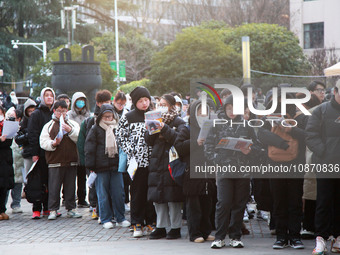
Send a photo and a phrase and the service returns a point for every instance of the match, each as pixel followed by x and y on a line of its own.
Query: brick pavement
pixel 71 235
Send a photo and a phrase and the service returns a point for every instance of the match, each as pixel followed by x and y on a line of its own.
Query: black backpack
pixel 34 189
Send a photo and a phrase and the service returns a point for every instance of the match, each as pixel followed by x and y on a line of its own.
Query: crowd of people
pixel 60 145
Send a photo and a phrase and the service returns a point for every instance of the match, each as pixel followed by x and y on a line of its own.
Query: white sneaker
pixel 73 214
pixel 53 215
pixel 17 210
pixel 335 247
pixel 320 247
pixel 108 225
pixel 263 215
pixel 124 224
pixel 138 231
pixel 245 216
pixel 217 244
pixel 99 220
pixel 236 243
pixel 127 208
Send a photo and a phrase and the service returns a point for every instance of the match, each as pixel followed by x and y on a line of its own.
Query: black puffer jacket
pixel 95 158
pixel 194 186
pixel 162 188
pixel 323 133
pixel 6 165
pixel 36 122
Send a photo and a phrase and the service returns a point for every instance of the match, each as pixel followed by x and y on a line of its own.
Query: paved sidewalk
pixel 22 235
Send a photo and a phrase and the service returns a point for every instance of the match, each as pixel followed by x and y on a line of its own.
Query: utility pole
pixel 117 44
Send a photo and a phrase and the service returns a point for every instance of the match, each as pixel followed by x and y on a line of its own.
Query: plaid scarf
pixel 169 116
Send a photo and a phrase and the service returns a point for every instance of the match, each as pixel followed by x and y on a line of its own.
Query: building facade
pixel 316 24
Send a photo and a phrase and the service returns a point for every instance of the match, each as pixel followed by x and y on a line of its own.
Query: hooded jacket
pixel 79 115
pixel 65 154
pixel 95 157
pixel 22 138
pixel 36 122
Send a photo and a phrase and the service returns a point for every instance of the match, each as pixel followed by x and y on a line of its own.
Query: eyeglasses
pixel 120 105
pixel 63 112
pixel 320 90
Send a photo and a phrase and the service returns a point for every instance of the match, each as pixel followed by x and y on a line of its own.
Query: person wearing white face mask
pixel 79 112
pixel 166 195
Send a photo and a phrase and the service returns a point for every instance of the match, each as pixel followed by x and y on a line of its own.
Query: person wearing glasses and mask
pixel 58 138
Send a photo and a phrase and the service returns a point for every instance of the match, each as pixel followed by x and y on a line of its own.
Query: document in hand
pixel 152 121
pixel 207 124
pixel 10 128
pixel 91 179
pixel 132 167
pixel 235 144
pixel 61 131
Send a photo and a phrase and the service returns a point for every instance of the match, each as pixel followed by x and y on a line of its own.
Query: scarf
pixel 169 116
pixel 110 139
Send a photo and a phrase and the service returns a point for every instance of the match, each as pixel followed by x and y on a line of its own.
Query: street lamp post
pixel 35 45
pixel 68 9
pixel 117 44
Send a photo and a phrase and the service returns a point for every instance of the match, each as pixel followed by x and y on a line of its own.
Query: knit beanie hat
pixel 138 93
pixel 170 99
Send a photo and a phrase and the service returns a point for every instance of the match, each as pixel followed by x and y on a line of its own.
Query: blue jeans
pixel 110 185
pixel 16 195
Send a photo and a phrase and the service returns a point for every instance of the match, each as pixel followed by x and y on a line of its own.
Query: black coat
pixel 191 187
pixel 95 158
pixel 162 188
pixel 6 165
pixel 323 133
pixel 36 122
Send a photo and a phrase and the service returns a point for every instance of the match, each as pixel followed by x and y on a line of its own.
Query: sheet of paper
pixel 32 167
pixel 235 144
pixel 10 128
pixel 132 167
pixel 91 179
pixel 207 124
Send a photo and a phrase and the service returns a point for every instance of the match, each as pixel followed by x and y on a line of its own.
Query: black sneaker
pixel 280 244
pixel 158 233
pixel 174 233
pixel 296 244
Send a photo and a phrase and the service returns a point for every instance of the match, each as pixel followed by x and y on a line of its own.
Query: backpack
pixel 35 191
pixel 280 155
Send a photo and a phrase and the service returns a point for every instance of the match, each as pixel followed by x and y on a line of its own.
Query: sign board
pixel 122 69
pixel 1 72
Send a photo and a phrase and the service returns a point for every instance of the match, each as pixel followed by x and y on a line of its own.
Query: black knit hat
pixel 170 99
pixel 138 93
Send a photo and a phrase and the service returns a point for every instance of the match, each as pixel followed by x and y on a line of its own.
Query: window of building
pixel 313 35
